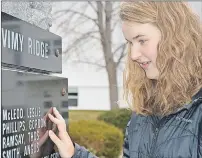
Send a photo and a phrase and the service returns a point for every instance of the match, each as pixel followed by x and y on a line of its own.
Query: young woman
pixel 163 84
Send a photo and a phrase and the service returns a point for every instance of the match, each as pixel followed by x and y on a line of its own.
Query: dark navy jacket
pixel 178 135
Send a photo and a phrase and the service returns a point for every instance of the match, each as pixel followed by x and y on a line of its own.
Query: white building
pixel 87 89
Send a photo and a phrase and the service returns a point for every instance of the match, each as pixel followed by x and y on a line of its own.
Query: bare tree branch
pixel 114 25
pixel 66 22
pixel 119 47
pixel 58 14
pixel 91 63
pixel 123 47
pixel 66 11
pixel 87 34
pixel 115 12
pixel 78 40
pixel 116 6
pixel 92 6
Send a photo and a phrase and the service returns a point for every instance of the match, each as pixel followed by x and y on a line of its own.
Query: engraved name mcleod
pixel 15 41
pixel 14 120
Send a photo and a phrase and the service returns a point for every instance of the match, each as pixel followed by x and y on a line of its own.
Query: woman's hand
pixel 63 140
pixel 43 138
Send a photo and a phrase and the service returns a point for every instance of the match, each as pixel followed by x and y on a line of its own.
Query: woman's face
pixel 144 39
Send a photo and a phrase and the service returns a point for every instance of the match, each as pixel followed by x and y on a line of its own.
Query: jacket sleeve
pixel 199 153
pixel 200 147
pixel 126 143
pixel 81 152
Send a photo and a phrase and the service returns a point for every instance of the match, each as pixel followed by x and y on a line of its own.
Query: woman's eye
pixel 142 41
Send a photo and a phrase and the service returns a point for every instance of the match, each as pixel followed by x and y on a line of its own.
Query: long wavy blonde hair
pixel 179 58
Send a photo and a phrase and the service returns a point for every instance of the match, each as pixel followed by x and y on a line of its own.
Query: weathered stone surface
pixel 36 12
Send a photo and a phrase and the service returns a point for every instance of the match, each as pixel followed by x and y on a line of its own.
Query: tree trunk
pixel 113 88
pixel 105 33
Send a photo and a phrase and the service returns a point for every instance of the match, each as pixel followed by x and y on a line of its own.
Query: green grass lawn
pixel 75 115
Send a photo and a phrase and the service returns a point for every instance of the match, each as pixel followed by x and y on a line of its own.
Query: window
pixel 48 104
pixel 72 96
pixel 72 102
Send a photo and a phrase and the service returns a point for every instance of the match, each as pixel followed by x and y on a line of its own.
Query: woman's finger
pixel 43 139
pixel 54 127
pixel 53 119
pixel 60 123
pixel 55 139
pixel 49 111
pixel 57 114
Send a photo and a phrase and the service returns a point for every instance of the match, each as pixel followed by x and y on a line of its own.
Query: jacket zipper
pixel 157 129
pixel 154 142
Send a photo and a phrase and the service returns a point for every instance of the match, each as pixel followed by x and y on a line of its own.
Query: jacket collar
pixel 197 97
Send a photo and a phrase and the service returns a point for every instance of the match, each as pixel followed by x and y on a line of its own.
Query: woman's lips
pixel 145 65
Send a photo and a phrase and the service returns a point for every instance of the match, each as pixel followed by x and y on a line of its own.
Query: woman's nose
pixel 135 53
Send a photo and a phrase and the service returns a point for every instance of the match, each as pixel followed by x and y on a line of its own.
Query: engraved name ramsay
pixel 14 41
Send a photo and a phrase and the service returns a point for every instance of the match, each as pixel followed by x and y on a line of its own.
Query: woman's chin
pixel 152 75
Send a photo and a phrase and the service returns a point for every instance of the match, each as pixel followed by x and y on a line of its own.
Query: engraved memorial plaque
pixel 29 92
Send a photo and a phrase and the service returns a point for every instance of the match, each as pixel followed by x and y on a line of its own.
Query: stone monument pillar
pixel 37 12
